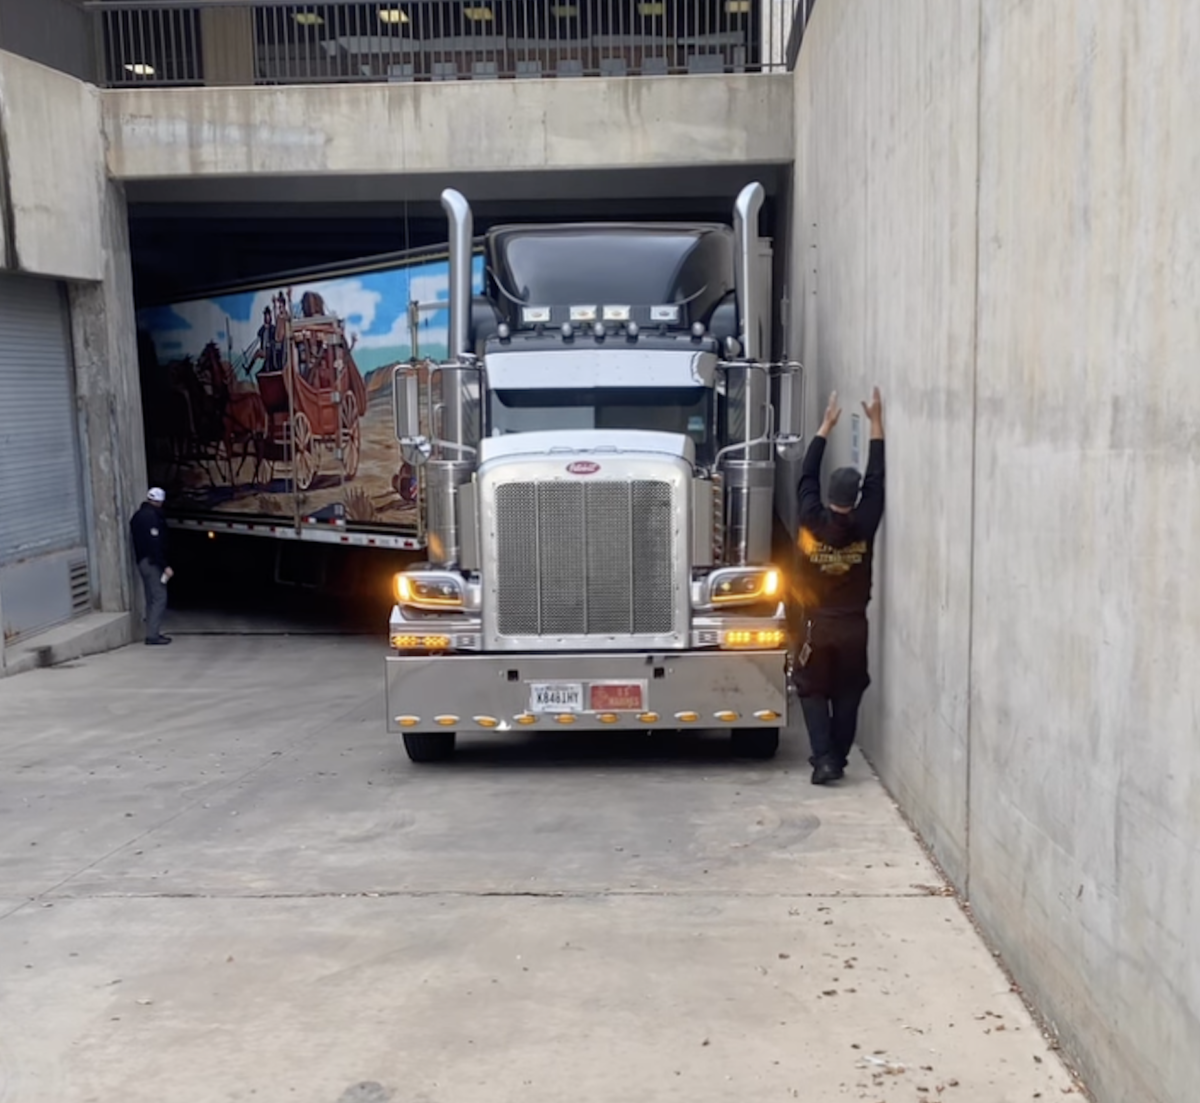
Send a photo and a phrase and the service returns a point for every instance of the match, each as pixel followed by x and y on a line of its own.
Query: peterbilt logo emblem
pixel 583 467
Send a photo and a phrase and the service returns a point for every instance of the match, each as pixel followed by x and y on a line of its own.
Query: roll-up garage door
pixel 43 559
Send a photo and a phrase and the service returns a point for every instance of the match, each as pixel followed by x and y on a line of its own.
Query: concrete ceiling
pixel 283 196
pixel 191 234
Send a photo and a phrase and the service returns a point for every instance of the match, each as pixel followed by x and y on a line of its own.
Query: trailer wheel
pixel 755 742
pixel 306 461
pixel 429 746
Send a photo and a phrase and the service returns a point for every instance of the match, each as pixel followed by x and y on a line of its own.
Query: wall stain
pixel 366 1091
pixel 11 259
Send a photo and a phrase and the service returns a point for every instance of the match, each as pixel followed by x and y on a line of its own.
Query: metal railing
pixel 227 42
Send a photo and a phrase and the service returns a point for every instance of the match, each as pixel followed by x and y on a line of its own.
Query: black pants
pixel 832 723
pixel 832 683
pixel 156 597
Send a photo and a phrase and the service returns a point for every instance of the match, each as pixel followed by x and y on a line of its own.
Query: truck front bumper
pixel 587 691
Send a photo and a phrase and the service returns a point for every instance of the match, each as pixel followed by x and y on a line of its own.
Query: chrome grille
pixel 585 558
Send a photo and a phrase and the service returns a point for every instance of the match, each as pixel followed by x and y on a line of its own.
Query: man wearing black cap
pixel 836 547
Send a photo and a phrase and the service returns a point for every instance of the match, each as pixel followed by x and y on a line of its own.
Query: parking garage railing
pixel 163 43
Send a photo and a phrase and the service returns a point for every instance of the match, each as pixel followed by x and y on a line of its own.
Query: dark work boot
pixel 825 770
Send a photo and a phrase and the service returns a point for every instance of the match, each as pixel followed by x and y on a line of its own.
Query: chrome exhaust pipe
pixel 458 212
pixel 747 285
pixel 748 471
pixel 455 396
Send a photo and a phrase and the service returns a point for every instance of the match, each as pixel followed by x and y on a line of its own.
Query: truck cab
pixel 598 476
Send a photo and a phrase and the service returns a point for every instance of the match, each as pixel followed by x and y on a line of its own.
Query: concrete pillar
pixel 104 335
pixel 227 42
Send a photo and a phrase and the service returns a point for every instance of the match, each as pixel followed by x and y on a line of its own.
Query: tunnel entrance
pixel 242 281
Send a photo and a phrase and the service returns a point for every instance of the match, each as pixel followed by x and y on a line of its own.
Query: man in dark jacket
pixel 837 544
pixel 148 527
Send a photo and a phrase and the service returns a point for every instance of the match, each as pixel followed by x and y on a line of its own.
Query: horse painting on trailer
pixel 273 402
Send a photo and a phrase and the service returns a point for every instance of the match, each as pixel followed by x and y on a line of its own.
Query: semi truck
pixel 601 453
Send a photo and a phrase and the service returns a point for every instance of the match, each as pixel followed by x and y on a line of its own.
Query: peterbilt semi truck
pixel 598 459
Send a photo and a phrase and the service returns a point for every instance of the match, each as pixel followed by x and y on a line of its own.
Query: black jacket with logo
pixel 836 549
pixel 149 530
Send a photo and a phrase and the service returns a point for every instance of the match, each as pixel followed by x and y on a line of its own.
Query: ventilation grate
pixel 81 588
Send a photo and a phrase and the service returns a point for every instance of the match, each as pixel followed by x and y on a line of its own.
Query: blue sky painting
pixel 374 306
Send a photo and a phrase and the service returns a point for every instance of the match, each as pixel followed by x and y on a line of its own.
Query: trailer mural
pixel 275 402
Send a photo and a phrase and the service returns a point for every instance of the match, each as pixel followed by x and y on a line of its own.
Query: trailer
pixel 267 406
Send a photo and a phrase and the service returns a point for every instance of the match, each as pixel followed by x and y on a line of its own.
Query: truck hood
pixel 587 442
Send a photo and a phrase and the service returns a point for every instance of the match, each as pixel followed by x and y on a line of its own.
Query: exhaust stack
pixel 746 279
pixel 748 470
pixel 455 402
pixel 458 212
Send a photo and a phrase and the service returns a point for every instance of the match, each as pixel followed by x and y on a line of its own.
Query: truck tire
pixel 429 746
pixel 755 742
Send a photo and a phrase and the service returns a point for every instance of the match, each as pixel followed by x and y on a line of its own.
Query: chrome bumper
pixel 681 689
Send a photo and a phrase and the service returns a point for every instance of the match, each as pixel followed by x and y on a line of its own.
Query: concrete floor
pixel 221 880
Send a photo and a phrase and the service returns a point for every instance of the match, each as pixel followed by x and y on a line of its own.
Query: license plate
pixel 614 697
pixel 556 697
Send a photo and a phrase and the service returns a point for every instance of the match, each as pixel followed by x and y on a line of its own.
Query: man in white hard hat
pixel 148 528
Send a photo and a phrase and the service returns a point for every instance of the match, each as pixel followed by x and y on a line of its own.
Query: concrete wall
pixel 108 390
pixel 885 240
pixel 997 221
pixel 61 217
pixel 465 126
pixel 53 162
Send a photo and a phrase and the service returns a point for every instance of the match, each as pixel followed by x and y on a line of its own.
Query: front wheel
pixel 755 742
pixel 429 746
pixel 306 460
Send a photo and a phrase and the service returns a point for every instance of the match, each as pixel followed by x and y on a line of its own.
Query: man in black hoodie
pixel 148 528
pixel 836 549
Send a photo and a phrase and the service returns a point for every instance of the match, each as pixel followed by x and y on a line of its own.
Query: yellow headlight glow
pixel 747 587
pixel 761 638
pixel 438 592
pixel 420 642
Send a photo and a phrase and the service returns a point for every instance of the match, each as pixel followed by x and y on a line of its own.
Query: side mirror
pixel 415 447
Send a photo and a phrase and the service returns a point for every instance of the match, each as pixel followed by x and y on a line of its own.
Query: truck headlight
pixel 429 589
pixel 743 585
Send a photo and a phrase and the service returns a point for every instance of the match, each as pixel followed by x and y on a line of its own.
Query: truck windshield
pixel 683 410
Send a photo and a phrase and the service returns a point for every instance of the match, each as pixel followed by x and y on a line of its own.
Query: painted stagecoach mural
pixel 273 402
